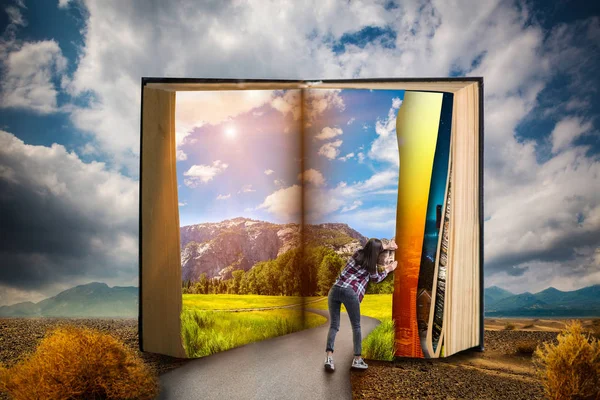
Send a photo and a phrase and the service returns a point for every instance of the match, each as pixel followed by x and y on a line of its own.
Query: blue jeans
pixel 349 298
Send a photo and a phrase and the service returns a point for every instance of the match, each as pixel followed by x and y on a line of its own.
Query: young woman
pixel 349 290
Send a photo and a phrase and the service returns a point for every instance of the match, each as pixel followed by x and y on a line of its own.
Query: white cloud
pixel 81 219
pixel 350 121
pixel 15 16
pixel 279 182
pixel 269 171
pixel 566 131
pixel 355 204
pixel 27 81
pixel 203 173
pixel 385 147
pixel 312 176
pixel 361 157
pixel 432 39
pixel 346 157
pixel 316 102
pixel 284 203
pixel 246 189
pixel 328 133
pixel 223 196
pixel 331 149
pixel 182 204
pixel 289 102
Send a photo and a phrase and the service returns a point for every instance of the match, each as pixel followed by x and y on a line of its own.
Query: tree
pixel 237 280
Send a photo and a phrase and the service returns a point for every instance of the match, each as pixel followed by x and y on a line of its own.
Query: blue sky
pixel 248 160
pixel 70 109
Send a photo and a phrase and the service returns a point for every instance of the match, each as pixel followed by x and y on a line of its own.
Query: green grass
pixel 209 332
pixel 237 301
pixel 379 344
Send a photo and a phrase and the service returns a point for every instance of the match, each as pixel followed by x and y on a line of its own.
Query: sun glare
pixel 230 132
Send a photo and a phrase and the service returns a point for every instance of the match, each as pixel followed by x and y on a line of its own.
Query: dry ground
pixel 500 372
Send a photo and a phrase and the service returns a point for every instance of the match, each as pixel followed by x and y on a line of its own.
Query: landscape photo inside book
pixel 368 164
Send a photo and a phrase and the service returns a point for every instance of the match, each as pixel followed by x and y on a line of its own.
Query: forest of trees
pixel 283 276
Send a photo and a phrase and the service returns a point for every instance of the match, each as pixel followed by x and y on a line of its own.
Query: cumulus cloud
pixel 64 222
pixel 198 174
pixel 223 196
pixel 328 133
pixel 27 82
pixel 431 39
pixel 284 203
pixel 330 150
pixel 269 171
pixel 316 102
pixel 312 176
pixel 566 131
pixel 385 147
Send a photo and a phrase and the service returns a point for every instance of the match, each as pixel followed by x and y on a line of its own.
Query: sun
pixel 230 132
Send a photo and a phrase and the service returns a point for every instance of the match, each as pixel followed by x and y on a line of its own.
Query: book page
pixel 238 166
pixel 351 183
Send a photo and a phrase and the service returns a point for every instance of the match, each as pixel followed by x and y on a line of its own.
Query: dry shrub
pixel 571 368
pixel 594 329
pixel 528 326
pixel 526 346
pixel 80 363
pixel 509 326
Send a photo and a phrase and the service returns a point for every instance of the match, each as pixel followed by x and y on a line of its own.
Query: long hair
pixel 367 256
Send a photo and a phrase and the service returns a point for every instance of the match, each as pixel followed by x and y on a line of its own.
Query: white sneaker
pixel 359 364
pixel 329 364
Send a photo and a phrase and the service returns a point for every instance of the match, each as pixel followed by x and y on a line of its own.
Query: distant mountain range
pixel 217 249
pixel 93 300
pixel 96 300
pixel 550 302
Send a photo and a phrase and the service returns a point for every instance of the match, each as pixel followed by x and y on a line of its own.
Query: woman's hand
pixel 391 267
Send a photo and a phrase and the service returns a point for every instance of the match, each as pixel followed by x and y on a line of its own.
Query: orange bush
pixel 571 368
pixel 80 363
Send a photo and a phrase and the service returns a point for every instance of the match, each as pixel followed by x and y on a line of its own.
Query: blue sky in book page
pixel 70 112
pixel 242 157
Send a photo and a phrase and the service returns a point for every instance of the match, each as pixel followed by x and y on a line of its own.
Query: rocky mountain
pixel 217 249
pixel 91 300
pixel 549 302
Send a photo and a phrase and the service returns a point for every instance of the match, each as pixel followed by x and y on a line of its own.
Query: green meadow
pixel 205 331
pixel 379 344
pixel 237 301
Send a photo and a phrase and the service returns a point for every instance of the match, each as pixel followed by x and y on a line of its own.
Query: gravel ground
pixel 19 336
pixel 452 378
pixel 469 375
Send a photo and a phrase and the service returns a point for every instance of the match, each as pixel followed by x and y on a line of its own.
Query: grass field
pixel 379 344
pixel 237 301
pixel 209 332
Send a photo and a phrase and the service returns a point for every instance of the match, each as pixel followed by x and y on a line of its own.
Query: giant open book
pixel 254 194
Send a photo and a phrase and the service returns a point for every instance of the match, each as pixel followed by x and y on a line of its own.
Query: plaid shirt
pixel 356 277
